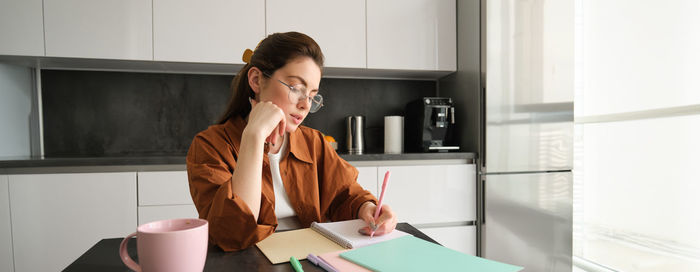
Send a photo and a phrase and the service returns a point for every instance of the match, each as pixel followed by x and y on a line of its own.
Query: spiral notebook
pixel 345 233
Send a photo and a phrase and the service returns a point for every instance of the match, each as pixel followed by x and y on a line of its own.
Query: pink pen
pixel 379 205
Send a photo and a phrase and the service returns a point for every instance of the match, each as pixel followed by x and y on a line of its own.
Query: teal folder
pixel 409 253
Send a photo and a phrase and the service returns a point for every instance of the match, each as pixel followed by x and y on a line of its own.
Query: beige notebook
pixel 279 246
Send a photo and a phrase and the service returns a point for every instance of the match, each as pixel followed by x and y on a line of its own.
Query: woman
pixel 258 170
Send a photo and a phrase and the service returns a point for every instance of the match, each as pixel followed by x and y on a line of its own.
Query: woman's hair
pixel 271 54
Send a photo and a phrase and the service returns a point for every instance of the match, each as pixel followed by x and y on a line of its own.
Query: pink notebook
pixel 340 264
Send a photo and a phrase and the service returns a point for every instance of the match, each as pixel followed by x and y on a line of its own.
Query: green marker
pixel 295 264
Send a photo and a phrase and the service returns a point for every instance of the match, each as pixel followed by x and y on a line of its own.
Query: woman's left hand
pixel 385 223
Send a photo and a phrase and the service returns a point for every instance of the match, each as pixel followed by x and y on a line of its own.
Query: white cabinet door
pixel 155 213
pixel 6 262
pixel 367 178
pixel 109 29
pixel 412 34
pixel 429 194
pixel 57 217
pixel 337 26
pixel 164 188
pixel 21 28
pixel 459 238
pixel 213 31
pixel 164 195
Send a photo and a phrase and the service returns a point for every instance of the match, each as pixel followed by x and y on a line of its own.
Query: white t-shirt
pixel 286 216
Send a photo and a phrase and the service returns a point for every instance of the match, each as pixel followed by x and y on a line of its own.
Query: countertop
pixel 22 165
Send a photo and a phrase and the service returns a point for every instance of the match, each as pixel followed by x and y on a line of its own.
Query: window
pixel 637 135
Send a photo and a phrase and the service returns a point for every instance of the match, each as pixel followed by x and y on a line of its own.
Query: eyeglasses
pixel 297 93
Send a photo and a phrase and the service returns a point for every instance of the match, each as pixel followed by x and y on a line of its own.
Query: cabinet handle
pixel 482 180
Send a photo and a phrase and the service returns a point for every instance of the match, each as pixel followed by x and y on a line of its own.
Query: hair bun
pixel 247 54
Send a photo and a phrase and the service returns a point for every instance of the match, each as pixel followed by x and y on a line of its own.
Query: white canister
pixel 393 134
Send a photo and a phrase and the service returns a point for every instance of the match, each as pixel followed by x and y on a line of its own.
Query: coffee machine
pixel 429 125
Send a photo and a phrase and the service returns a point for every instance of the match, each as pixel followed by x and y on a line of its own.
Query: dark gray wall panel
pixel 115 113
pixel 89 113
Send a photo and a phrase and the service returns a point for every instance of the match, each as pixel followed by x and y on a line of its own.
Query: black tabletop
pixel 104 256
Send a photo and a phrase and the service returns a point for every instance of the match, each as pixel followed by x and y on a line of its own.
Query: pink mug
pixel 169 245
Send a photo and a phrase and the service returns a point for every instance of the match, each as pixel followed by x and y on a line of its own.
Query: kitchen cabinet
pixel 108 29
pixel 212 31
pixel 57 217
pixel 163 188
pixel 367 178
pixel 164 195
pixel 439 200
pixel 412 34
pixel 155 213
pixel 459 238
pixel 6 262
pixel 433 197
pixel 427 194
pixel 21 28
pixel 337 26
pixel 392 38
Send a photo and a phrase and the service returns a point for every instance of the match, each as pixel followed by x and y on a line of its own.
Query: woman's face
pixel 301 70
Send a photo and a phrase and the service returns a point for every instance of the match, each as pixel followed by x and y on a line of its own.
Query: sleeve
pixel 339 185
pixel 231 223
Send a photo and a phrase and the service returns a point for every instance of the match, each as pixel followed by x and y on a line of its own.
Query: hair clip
pixel 247 54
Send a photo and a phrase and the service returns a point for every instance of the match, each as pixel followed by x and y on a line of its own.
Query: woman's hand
pixel 266 120
pixel 385 223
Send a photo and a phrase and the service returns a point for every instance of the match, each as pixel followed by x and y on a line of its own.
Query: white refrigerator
pixel 513 94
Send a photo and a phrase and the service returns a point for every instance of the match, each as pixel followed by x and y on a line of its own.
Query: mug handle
pixel 125 256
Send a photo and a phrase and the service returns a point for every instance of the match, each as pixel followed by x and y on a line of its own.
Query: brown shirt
pixel 321 186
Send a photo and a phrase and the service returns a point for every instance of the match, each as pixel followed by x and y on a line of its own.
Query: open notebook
pixel 320 238
pixel 345 233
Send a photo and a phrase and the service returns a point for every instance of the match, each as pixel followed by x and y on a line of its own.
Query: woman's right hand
pixel 266 120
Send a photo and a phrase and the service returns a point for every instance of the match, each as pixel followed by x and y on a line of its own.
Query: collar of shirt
pixel 297 140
